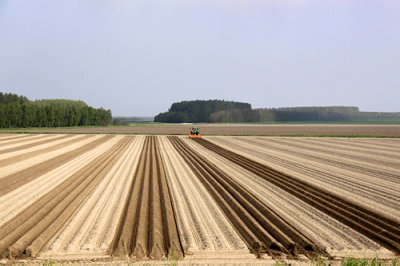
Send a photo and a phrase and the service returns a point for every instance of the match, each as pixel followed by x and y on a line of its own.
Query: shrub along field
pixel 243 200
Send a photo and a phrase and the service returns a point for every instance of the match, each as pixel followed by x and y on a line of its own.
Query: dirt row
pixel 113 197
pixel 91 229
pixel 19 199
pixel 29 231
pixel 39 149
pixel 367 160
pixel 383 145
pixel 354 165
pixel 261 229
pixel 27 146
pixel 237 129
pixel 333 236
pixel 377 227
pixel 41 158
pixel 202 225
pixel 31 145
pixel 369 190
pixel 15 141
pixel 371 179
pixel 147 226
pixel 19 178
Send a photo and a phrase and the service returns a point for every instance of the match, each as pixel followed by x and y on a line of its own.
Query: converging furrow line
pixel 147 226
pixel 260 227
pixel 373 225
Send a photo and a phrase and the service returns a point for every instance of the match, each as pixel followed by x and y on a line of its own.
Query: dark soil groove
pixel 261 228
pixel 28 232
pixel 147 227
pixel 373 225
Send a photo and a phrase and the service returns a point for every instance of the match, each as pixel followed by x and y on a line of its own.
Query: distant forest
pixel 17 111
pixel 225 111
pixel 126 120
pixel 198 111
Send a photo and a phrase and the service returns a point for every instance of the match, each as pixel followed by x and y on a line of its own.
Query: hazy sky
pixel 138 57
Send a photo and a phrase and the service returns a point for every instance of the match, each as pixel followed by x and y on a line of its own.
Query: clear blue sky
pixel 137 57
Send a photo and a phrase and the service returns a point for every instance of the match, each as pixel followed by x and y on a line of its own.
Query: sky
pixel 137 57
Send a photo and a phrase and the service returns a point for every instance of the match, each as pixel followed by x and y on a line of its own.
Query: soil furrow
pixel 386 190
pixel 15 143
pixel 17 179
pixel 268 170
pixel 28 155
pixel 64 211
pixel 30 145
pixel 385 194
pixel 147 226
pixel 198 216
pixel 19 139
pixel 359 146
pixel 324 152
pixel 172 240
pixel 389 143
pixel 375 226
pixel 347 145
pixel 39 222
pixel 13 137
pixel 22 197
pixel 259 226
pixel 330 234
pixel 91 228
pixel 340 164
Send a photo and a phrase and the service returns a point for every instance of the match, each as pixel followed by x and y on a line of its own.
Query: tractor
pixel 194 133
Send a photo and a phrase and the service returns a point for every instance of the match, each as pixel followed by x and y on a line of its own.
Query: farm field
pixel 387 130
pixel 220 199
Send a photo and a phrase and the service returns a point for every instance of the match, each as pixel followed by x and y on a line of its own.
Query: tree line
pixel 216 111
pixel 17 111
pixel 197 111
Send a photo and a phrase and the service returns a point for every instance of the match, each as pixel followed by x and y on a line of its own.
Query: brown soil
pixel 147 226
pixel 330 234
pixel 90 230
pixel 17 179
pixel 260 227
pixel 12 137
pixel 377 227
pixel 85 198
pixel 378 192
pixel 12 159
pixel 202 225
pixel 22 139
pixel 29 231
pixel 29 145
pixel 240 129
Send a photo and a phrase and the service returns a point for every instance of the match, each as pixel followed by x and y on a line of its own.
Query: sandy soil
pixel 44 157
pixel 74 190
pixel 336 238
pixel 27 139
pixel 366 187
pixel 24 196
pixel 201 223
pixel 241 129
pixel 91 228
pixel 28 232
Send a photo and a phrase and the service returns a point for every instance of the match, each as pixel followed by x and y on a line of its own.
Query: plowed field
pixel 255 200
pixel 239 129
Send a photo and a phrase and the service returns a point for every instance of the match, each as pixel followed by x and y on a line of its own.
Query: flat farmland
pixel 389 130
pixel 221 199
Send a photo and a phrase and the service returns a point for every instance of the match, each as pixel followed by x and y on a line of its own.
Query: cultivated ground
pixel 224 199
pixel 392 130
